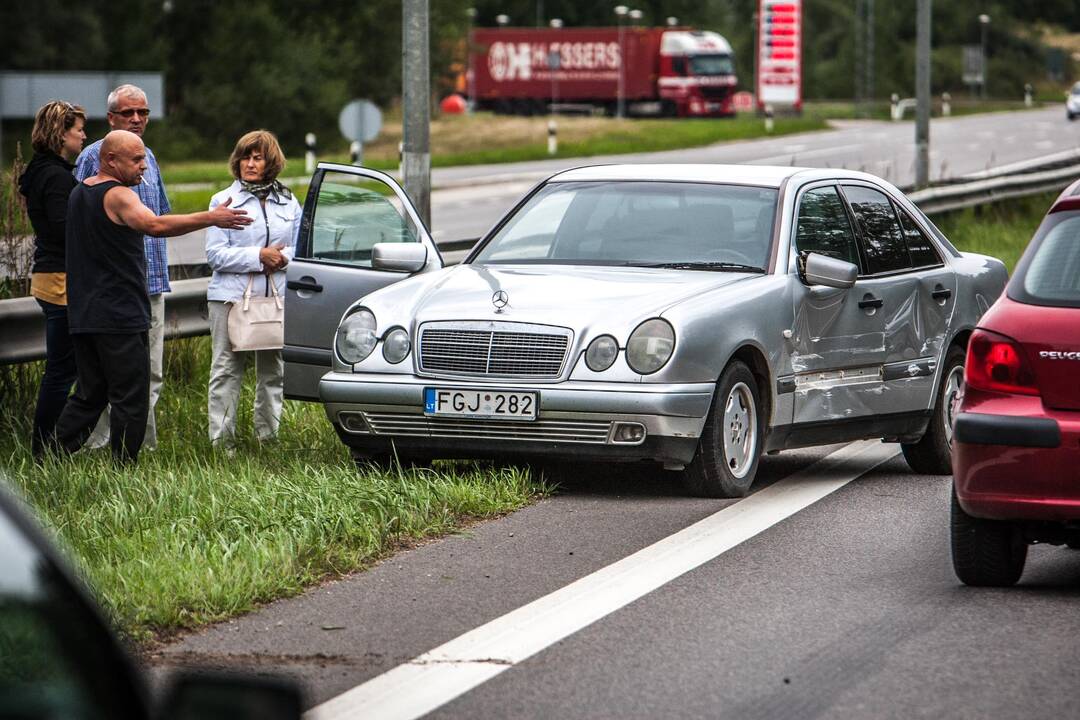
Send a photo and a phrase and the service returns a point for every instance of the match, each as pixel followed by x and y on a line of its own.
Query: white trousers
pixel 227 375
pixel 100 437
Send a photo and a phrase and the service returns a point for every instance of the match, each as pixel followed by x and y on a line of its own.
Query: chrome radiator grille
pixel 493 350
pixel 570 431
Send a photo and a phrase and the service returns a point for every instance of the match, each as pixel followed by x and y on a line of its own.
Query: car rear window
pixel 1049 273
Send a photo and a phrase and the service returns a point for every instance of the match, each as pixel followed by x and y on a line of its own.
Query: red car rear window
pixel 1049 273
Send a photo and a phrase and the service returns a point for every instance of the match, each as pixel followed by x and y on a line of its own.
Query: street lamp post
pixel 620 14
pixel 470 76
pixel 984 23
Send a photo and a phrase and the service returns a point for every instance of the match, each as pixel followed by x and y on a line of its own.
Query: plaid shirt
pixel 152 193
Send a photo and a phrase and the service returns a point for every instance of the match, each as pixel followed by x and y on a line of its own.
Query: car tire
pixel 731 441
pixel 932 454
pixel 986 553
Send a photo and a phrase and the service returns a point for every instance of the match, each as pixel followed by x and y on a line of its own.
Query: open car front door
pixel 347 211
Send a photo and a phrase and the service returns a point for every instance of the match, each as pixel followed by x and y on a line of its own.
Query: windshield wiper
pixel 737 267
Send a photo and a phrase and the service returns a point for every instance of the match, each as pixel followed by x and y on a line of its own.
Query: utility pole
pixel 416 81
pixel 922 94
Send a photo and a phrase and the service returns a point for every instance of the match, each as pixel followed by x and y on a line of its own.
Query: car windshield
pixel 1076 89
pixel 711 65
pixel 1051 276
pixel 656 224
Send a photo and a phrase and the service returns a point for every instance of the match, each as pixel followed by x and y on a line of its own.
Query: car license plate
pixel 488 404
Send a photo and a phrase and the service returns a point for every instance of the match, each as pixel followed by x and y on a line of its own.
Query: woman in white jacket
pixel 258 252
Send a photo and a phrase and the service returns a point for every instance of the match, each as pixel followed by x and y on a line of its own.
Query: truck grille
pixel 567 431
pixel 715 93
pixel 493 349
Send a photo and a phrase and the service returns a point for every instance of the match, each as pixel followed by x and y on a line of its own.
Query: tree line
pixel 233 65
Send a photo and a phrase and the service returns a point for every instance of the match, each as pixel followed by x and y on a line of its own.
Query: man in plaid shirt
pixel 128 110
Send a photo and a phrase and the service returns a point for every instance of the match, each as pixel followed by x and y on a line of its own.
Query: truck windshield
pixel 711 65
pixel 693 225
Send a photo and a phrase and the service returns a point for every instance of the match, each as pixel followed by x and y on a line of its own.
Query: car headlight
pixel 356 336
pixel 395 346
pixel 601 353
pixel 650 346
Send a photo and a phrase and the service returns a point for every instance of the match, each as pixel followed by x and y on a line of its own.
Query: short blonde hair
pixel 52 120
pixel 262 141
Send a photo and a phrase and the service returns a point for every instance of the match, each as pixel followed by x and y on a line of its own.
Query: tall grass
pixel 192 535
pixel 1001 230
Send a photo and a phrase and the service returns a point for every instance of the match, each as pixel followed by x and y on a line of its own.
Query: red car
pixel 1016 439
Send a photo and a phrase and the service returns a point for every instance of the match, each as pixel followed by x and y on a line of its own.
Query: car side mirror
pixel 399 257
pixel 817 269
pixel 198 696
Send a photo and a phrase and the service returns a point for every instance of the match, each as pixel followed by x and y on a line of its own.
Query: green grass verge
pixel 1001 230
pixel 192 535
pixel 636 136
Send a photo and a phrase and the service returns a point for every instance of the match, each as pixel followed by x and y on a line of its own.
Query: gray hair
pixel 124 91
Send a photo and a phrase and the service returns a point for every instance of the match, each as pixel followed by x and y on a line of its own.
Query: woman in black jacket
pixel 57 139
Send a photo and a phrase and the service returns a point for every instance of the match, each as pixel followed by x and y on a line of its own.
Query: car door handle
pixel 941 294
pixel 871 302
pixel 301 285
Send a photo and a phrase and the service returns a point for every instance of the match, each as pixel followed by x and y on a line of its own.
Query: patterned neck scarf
pixel 263 189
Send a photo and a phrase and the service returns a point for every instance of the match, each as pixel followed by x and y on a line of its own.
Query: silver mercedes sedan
pixel 694 316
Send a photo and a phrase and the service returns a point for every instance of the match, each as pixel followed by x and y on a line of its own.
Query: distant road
pixel 468 200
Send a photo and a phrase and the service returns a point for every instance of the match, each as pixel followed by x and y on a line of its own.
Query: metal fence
pixel 22 330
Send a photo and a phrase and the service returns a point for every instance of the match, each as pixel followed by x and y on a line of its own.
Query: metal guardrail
pixel 22 324
pixel 22 330
pixel 994 189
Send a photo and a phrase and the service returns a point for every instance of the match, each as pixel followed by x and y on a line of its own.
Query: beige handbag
pixel 257 323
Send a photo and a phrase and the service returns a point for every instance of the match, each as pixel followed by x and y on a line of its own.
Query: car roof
pixel 1069 199
pixel 762 175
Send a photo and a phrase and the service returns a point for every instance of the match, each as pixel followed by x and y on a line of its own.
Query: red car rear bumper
pixel 1014 459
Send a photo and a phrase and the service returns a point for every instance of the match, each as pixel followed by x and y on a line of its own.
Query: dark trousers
pixel 58 378
pixel 113 370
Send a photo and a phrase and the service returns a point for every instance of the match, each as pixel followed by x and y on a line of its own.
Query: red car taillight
pixel 998 363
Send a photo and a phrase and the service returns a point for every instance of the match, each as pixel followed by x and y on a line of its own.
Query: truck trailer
pixel 641 71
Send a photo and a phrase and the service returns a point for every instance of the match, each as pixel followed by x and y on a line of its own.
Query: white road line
pixel 450 670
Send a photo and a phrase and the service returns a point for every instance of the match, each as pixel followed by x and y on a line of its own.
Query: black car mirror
pixel 230 697
pixel 817 269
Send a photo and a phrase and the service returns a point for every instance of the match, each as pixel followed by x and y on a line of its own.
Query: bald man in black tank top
pixel 108 306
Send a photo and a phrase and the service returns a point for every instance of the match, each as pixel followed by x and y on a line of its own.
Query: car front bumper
pixel 376 413
pixel 1024 465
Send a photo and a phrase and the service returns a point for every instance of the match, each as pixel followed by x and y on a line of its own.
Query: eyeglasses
pixel 129 112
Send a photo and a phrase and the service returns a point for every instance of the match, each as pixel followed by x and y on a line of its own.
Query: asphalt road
pixel 848 608
pixel 468 200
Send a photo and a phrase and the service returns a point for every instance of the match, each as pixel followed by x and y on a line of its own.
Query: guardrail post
pixel 553 138
pixel 1027 95
pixel 894 107
pixel 356 152
pixel 946 104
pixel 309 153
pixel 768 118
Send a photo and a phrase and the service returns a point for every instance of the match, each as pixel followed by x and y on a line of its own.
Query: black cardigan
pixel 46 183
